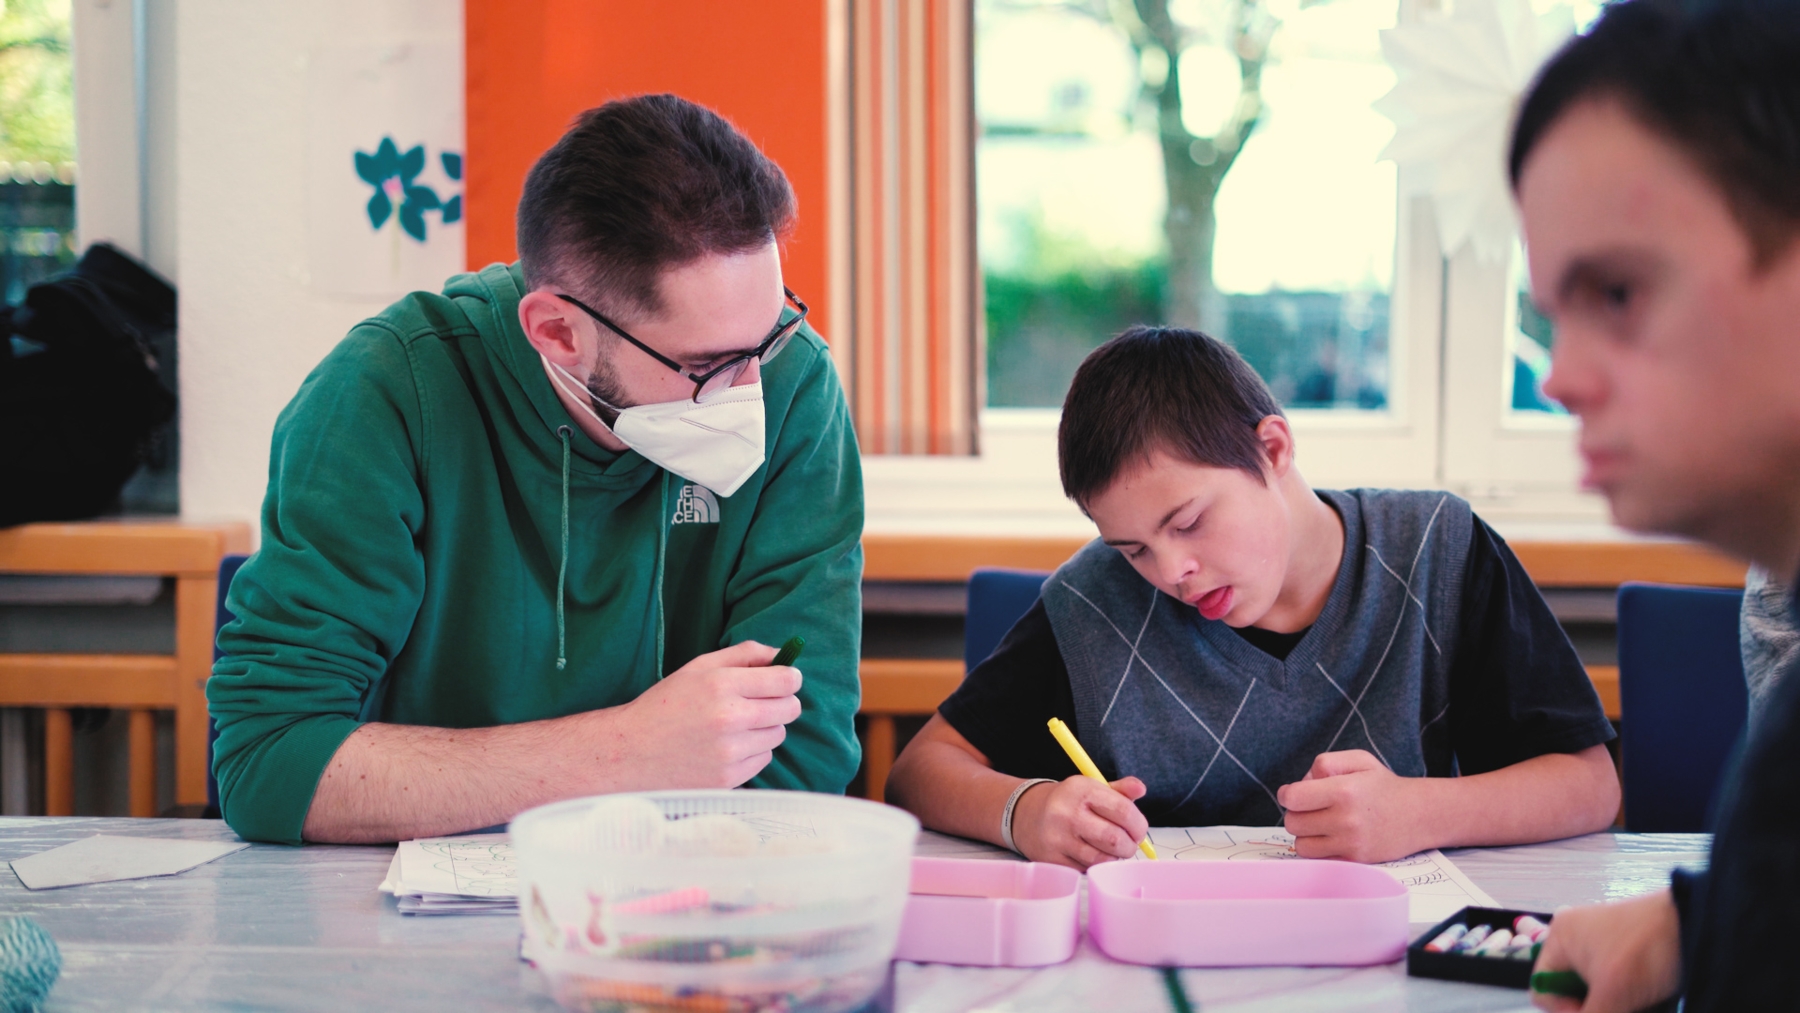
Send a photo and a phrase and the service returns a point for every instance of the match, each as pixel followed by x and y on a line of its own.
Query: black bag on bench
pixel 80 398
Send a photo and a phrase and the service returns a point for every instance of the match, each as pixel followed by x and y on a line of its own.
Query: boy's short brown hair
pixel 1719 80
pixel 1160 388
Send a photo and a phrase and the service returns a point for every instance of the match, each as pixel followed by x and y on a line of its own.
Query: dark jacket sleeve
pixel 1737 916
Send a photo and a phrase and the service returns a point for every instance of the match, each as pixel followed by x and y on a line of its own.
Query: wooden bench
pixel 142 684
pixel 914 687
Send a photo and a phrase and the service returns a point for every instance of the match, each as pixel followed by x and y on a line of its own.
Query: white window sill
pixel 1012 487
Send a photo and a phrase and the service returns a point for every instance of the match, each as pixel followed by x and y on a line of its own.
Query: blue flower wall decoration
pixel 452 168
pixel 395 178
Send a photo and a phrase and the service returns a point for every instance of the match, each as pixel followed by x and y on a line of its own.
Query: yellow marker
pixel 1066 739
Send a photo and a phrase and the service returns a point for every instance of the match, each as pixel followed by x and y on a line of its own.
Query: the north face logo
pixel 697 505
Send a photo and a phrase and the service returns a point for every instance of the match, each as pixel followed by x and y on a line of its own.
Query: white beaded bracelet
pixel 1012 803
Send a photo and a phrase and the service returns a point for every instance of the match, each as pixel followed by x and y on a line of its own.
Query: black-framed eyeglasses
pixel 721 377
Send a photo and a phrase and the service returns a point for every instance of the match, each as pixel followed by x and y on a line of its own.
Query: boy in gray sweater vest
pixel 1370 668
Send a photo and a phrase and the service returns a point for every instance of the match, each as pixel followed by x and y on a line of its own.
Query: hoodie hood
pixel 489 298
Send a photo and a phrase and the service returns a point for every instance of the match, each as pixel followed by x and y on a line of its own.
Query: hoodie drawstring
pixel 562 566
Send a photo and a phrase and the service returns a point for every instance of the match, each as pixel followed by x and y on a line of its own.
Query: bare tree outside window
pixel 1158 109
pixel 1194 165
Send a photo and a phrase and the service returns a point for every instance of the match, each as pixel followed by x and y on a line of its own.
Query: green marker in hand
pixel 1567 984
pixel 790 651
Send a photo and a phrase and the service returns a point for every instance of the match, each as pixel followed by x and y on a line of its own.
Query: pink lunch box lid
pixel 1242 914
pixel 990 913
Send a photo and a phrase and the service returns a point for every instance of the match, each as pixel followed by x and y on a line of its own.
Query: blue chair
pixel 228 568
pixel 1682 702
pixel 997 599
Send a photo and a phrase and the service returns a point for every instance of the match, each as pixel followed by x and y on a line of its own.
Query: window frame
pixel 1447 424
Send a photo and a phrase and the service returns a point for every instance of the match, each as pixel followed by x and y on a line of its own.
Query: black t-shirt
pixel 1517 688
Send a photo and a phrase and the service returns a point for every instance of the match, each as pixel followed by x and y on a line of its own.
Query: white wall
pixel 108 201
pixel 252 323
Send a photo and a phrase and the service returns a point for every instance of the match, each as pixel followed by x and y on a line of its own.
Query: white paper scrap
pixel 1435 887
pixel 104 858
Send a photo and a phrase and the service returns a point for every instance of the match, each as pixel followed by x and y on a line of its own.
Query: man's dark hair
pixel 1718 79
pixel 1160 388
pixel 641 185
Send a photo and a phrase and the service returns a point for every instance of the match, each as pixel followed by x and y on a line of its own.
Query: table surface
pixel 275 927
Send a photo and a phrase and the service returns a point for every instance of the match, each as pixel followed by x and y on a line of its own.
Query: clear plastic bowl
pixel 713 901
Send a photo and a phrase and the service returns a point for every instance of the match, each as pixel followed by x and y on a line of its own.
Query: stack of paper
pixel 476 874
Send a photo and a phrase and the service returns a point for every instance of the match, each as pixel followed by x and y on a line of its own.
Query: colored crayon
pixel 1521 947
pixel 1474 939
pixel 1496 944
pixel 1447 939
pixel 1526 925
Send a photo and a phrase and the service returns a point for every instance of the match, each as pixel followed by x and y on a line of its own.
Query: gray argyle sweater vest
pixel 1212 724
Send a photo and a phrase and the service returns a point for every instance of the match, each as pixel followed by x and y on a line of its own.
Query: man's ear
pixel 1277 439
pixel 550 324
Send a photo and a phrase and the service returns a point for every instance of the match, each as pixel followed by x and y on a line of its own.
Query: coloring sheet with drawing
pixel 474 874
pixel 479 865
pixel 1436 888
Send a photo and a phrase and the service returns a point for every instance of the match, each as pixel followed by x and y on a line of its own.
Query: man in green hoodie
pixel 531 539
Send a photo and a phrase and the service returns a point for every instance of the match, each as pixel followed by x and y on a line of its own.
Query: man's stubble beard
pixel 604 389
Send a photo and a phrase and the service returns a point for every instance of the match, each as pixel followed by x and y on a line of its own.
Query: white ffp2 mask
pixel 717 443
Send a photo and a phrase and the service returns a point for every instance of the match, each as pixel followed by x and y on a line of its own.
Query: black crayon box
pixel 1512 972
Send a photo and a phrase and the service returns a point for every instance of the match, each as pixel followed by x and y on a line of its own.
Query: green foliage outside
pixel 37 93
pixel 1046 313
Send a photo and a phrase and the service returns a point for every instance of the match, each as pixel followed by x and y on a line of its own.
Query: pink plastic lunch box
pixel 1241 914
pixel 991 913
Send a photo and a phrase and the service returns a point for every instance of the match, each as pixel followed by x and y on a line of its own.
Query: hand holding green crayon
pixel 1567 984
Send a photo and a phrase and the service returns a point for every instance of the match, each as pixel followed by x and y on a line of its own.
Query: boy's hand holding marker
pixel 1084 820
pixel 1080 822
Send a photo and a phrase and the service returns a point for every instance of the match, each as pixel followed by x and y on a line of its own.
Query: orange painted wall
pixel 532 65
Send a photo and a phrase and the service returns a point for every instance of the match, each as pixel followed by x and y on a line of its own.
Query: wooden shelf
pixel 87 680
pixel 160 547
pixel 941 558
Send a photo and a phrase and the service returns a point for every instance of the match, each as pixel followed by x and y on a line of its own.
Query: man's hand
pixel 713 723
pixel 1080 822
pixel 1351 806
pixel 1628 952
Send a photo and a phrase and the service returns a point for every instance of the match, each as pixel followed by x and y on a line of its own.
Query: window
pixel 37 144
pixel 1198 166
pixel 1399 365
pixel 1531 337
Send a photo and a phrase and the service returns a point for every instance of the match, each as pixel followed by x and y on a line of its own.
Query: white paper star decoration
pixel 1460 80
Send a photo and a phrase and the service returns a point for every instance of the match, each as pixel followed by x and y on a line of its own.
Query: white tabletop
pixel 284 928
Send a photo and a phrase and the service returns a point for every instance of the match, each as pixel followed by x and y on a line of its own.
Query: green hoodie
pixel 420 486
